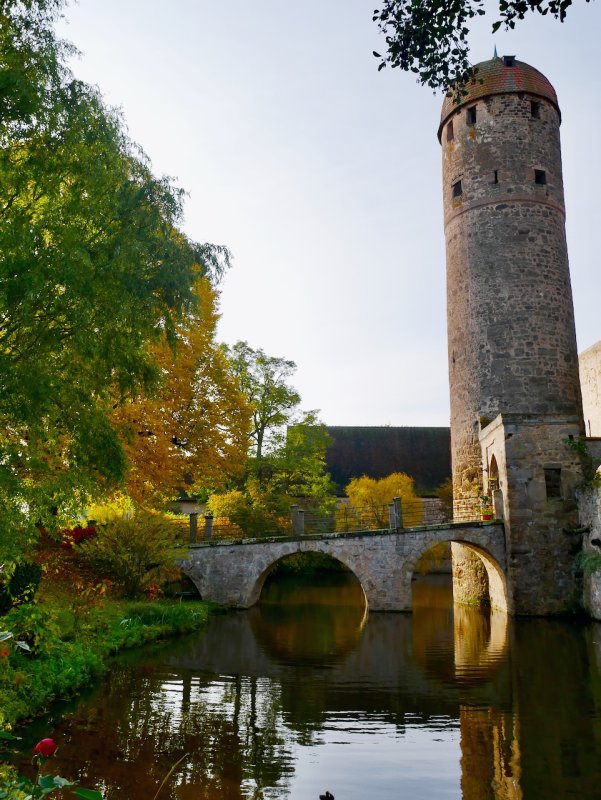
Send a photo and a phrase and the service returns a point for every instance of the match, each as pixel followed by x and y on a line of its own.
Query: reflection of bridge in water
pixel 394 668
pixel 233 573
pixel 405 670
pixel 242 700
pixel 397 658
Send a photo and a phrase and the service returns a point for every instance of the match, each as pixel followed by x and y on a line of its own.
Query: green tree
pixel 93 270
pixel 263 379
pixel 293 471
pixel 429 37
pixel 297 467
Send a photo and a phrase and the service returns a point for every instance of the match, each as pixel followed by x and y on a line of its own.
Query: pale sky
pixel 323 177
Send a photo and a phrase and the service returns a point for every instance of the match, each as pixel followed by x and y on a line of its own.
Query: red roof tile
pixel 493 77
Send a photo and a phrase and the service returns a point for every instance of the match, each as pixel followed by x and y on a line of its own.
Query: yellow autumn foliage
pixel 194 432
pixel 376 494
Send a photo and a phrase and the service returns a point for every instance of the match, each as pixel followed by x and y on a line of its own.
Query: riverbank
pixel 56 647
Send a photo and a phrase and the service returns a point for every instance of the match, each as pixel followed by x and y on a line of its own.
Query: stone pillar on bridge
pixel 298 520
pixel 395 514
pixel 193 527
pixel 398 510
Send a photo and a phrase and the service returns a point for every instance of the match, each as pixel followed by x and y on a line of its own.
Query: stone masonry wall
pixel 589 499
pixel 541 521
pixel 590 380
pixel 233 574
pixel 589 502
pixel 512 344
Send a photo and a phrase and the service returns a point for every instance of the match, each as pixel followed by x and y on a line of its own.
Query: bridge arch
pixel 267 571
pixel 497 582
pixel 496 579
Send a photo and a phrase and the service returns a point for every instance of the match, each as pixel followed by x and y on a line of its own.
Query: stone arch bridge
pixel 233 573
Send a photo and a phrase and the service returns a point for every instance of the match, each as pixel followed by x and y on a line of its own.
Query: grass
pixel 67 650
pixel 71 631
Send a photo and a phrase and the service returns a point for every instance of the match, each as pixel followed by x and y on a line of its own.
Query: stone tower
pixel 513 363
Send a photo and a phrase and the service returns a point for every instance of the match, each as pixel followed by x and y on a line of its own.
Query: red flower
pixel 4 653
pixel 45 748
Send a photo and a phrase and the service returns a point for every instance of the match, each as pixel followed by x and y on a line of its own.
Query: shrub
pixel 35 625
pixel 21 587
pixel 59 662
pixel 246 513
pixel 116 507
pixel 231 508
pixel 71 536
pixel 133 553
pixel 375 494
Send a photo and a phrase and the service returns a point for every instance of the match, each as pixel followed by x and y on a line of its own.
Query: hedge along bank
pixel 50 649
pixel 57 642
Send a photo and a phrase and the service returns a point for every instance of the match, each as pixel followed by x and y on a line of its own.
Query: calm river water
pixel 307 693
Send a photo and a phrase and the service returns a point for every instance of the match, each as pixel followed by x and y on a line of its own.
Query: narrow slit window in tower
pixel 534 109
pixel 450 134
pixel 471 115
pixel 553 482
pixel 457 189
pixel 496 176
pixel 540 176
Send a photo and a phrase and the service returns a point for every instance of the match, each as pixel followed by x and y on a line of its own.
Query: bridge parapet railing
pixel 347 519
pixel 397 515
pixel 423 511
pixel 434 511
pixel 208 528
pixel 182 527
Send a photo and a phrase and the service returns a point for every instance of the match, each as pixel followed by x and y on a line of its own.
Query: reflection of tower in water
pixel 490 755
pixel 459 645
pixel 466 652
pixel 480 641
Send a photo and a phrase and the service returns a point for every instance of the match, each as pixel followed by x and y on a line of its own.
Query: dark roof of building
pixel 422 453
pixel 495 77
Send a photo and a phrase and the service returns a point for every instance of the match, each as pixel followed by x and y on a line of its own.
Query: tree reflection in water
pixel 127 738
pixel 284 701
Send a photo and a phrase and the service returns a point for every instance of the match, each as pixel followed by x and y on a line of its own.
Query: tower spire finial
pixel 495 54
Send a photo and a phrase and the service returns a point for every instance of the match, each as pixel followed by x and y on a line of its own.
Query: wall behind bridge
pixel 589 499
pixel 589 503
pixel 377 451
pixel 590 380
